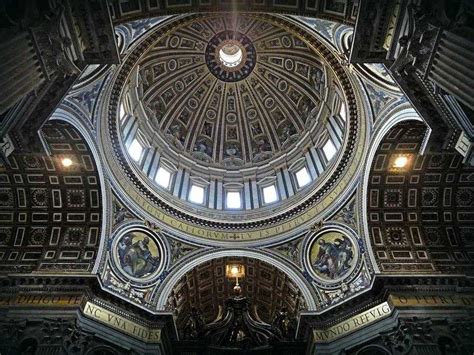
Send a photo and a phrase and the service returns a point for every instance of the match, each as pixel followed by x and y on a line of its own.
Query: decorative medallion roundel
pixel 139 255
pixel 230 56
pixel 332 255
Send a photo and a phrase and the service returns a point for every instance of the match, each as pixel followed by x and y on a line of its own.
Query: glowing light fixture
pixel 67 162
pixel 230 55
pixel 400 162
pixel 235 270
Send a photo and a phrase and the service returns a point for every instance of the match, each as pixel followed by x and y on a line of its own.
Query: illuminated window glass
pixel 270 194
pixel 122 111
pixel 303 177
pixel 329 150
pixel 230 55
pixel 233 199
pixel 342 111
pixel 163 177
pixel 135 150
pixel 196 194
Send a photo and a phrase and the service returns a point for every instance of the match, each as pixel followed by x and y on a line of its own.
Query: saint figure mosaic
pixel 332 255
pixel 139 255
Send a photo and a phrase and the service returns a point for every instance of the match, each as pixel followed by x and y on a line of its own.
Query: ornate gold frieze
pixel 352 324
pixel 113 320
pixel 40 300
pixel 431 300
pixel 385 309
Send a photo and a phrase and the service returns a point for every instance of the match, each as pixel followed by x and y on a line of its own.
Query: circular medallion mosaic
pixel 332 256
pixel 230 56
pixel 139 255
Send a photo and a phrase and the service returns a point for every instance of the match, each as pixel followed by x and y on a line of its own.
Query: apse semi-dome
pixel 231 119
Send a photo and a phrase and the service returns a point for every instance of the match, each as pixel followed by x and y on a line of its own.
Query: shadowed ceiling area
pixel 206 287
pixel 421 215
pixel 50 214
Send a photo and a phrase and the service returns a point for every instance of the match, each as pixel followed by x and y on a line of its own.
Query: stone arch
pixel 285 267
pixel 402 114
pixel 84 127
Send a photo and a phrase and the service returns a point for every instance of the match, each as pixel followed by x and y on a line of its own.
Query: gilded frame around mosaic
pixel 332 255
pixel 138 255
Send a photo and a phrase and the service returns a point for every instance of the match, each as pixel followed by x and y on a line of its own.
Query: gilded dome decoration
pixel 230 56
pixel 236 123
pixel 229 94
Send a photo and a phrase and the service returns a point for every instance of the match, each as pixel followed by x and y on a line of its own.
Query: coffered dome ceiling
pixel 233 106
pixel 228 116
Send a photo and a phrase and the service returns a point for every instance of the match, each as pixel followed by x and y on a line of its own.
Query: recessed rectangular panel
pixel 377 235
pixel 402 254
pixel 69 254
pixel 393 217
pixel 65 147
pixel 76 217
pixel 40 217
pixel 94 196
pixel 286 3
pixel 395 180
pixel 93 236
pixel 178 3
pixel 6 217
pixel 415 236
pixel 55 234
pixel 36 178
pixel 20 233
pixel 21 194
pixel 73 180
pixel 429 216
pixel 56 196
pixel 31 256
pixel 440 256
pixel 88 164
